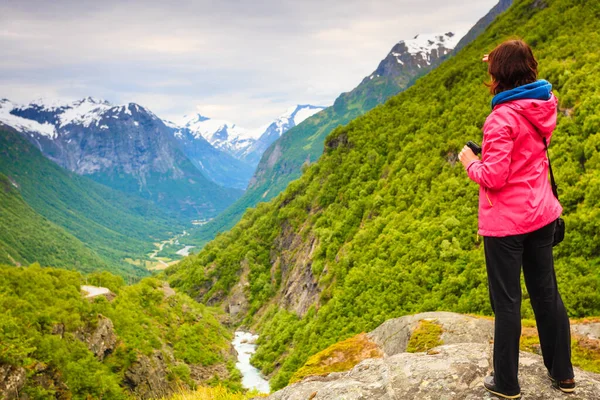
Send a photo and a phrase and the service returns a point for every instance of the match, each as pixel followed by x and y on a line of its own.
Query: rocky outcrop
pixel 299 287
pixel 12 380
pixel 201 373
pixel 237 304
pixel 589 330
pixel 452 371
pixel 448 372
pixel 101 339
pixel 393 335
pixel 147 377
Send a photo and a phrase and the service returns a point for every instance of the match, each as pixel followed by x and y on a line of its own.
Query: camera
pixel 475 147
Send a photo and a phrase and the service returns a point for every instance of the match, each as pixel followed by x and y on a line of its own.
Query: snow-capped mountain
pixel 414 54
pixel 51 119
pixel 221 134
pixel 291 118
pixel 126 147
pixel 244 144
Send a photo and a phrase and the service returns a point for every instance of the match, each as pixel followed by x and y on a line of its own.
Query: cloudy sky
pixel 245 61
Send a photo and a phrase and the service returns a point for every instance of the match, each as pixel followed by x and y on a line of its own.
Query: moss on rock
pixel 426 336
pixel 342 356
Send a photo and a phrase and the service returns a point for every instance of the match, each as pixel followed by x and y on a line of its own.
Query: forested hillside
pixel 148 340
pixel 26 236
pixel 385 223
pixel 110 223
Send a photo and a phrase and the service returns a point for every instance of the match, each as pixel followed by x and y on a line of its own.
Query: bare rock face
pixel 448 372
pixel 12 380
pixel 201 373
pixel 101 340
pixel 237 304
pixel 393 335
pixel 147 377
pixel 589 330
pixel 299 288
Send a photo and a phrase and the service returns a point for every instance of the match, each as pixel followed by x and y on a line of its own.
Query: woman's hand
pixel 466 155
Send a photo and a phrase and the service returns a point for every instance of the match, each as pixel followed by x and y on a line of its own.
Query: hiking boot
pixel 490 385
pixel 567 385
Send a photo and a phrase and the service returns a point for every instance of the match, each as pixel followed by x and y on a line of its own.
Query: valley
pixel 167 253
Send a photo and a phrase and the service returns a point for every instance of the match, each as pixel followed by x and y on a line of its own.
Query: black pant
pixel 504 257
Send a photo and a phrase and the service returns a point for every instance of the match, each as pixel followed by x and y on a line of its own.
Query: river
pixel 244 344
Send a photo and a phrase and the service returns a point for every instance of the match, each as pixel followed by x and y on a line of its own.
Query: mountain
pixel 27 237
pixel 384 224
pixel 483 23
pixel 222 135
pixel 292 117
pixel 243 144
pixel 113 225
pixel 217 165
pixel 303 144
pixel 141 341
pixel 125 147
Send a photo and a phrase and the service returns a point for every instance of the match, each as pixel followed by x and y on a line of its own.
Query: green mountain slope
pixel 146 341
pixel 26 236
pixel 282 162
pixel 112 224
pixel 384 224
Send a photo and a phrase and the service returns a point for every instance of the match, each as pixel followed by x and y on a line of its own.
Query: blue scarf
pixel 539 90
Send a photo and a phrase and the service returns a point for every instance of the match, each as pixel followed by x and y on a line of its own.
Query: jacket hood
pixel 541 113
pixel 540 89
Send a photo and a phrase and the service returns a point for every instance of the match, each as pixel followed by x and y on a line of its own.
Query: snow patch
pixel 425 44
pixel 219 133
pixel 305 112
pixel 24 124
pixel 83 112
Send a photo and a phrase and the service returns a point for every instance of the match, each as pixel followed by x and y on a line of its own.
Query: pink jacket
pixel 515 195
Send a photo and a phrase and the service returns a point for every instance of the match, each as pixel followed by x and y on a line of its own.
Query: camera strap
pixel 552 181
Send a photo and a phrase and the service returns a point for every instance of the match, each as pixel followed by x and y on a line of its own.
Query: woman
pixel 517 214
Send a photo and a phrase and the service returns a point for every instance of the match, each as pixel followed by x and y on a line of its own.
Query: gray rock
pixel 393 335
pixel 12 380
pixel 101 340
pixel 448 372
pixel 591 330
pixel 147 377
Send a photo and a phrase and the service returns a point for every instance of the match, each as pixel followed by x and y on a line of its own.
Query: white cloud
pixel 241 61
